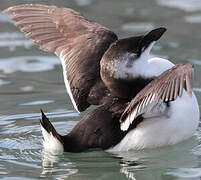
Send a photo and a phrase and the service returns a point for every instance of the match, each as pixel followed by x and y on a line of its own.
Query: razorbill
pixel 143 102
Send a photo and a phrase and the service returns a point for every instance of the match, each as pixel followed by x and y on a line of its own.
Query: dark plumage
pixel 98 70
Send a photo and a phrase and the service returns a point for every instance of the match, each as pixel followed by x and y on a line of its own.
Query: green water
pixel 31 79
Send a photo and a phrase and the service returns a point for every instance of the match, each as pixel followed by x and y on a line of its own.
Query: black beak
pixel 152 36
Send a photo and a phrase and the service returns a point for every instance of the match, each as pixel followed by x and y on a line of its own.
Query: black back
pixel 98 129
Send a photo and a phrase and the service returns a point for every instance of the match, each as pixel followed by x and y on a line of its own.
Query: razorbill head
pixel 124 64
pixel 142 102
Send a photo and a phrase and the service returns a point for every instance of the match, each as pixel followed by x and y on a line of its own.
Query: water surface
pixel 31 79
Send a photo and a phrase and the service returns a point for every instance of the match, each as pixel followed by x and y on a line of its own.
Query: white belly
pixel 181 124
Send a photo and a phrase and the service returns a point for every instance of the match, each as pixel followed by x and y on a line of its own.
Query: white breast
pixel 181 124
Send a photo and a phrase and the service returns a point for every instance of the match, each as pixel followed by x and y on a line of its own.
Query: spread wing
pixel 78 42
pixel 167 87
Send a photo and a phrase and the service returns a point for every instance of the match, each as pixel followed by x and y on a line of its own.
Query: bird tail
pixel 52 141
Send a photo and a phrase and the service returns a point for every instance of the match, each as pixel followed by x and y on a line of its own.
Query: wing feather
pixel 167 87
pixel 176 88
pixel 172 90
pixel 181 86
pixel 78 42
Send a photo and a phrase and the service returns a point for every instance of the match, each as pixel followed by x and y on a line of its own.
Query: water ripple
pixel 195 61
pixel 83 2
pixel 189 5
pixel 20 144
pixel 4 82
pixel 4 18
pixel 186 173
pixel 37 102
pixel 197 90
pixel 196 18
pixel 30 116
pixel 28 63
pixel 13 35
pixel 137 27
pixel 14 39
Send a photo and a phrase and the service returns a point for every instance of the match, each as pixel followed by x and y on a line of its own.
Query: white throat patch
pixel 128 67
